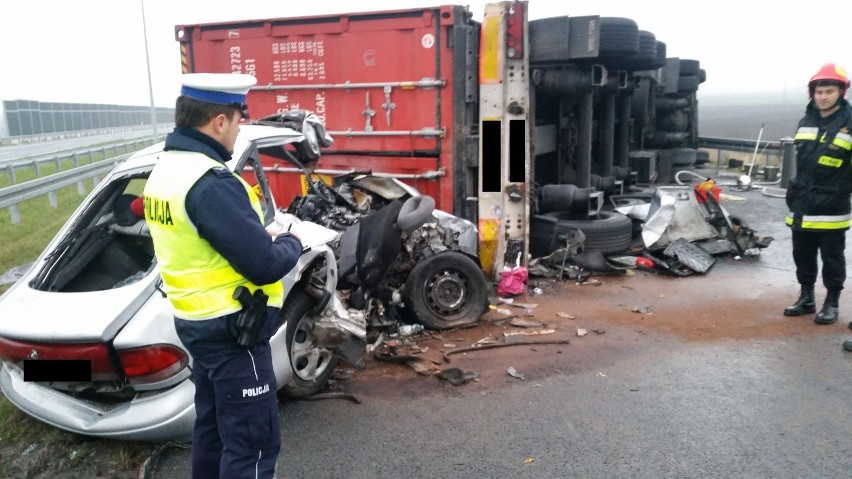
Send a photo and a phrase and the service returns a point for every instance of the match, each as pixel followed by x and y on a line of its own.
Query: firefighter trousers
pixel 830 247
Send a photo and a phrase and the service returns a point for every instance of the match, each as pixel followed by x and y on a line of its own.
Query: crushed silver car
pixel 94 296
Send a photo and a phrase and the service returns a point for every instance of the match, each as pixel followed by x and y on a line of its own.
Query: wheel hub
pixel 446 292
pixel 308 360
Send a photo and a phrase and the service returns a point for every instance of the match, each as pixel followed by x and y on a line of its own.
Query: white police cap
pixel 219 88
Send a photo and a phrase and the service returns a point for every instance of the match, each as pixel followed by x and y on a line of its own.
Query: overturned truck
pixel 483 114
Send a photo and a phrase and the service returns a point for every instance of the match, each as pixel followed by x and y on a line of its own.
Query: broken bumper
pixel 165 415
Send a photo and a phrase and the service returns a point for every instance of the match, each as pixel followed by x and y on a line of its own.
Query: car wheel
pixel 446 290
pixel 312 366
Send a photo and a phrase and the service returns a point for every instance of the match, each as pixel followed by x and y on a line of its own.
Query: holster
pixel 252 316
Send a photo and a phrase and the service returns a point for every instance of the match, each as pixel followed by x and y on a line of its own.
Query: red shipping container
pixel 397 90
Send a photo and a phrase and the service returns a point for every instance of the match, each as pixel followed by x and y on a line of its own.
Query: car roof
pixel 262 136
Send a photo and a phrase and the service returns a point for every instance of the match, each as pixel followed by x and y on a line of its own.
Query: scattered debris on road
pixel 457 377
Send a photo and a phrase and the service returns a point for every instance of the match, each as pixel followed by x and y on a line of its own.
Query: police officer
pixel 819 195
pixel 209 239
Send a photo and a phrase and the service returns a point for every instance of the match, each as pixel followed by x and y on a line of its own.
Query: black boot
pixel 828 313
pixel 805 304
pixel 847 345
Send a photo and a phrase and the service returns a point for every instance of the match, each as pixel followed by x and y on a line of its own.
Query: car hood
pixel 46 316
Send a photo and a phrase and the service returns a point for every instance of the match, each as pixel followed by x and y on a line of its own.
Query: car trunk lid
pixel 91 316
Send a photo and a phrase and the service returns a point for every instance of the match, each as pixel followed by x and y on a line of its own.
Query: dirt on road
pixel 608 319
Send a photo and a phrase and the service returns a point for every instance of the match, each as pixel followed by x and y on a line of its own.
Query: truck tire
pixel 446 290
pixel 689 67
pixel 647 46
pixel 609 232
pixel 619 38
pixel 312 366
pixel 660 60
pixel 646 55
pixel 688 83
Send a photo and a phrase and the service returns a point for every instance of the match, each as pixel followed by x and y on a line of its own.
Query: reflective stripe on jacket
pixel 819 194
pixel 198 281
pixel 837 222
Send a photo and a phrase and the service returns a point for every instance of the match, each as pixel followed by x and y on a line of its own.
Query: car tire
pixel 609 232
pixel 446 290
pixel 312 366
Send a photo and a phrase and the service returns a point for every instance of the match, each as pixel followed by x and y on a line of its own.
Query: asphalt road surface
pixel 695 377
pixel 25 150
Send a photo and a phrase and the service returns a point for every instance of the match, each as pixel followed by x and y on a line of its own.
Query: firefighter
pixel 209 239
pixel 819 195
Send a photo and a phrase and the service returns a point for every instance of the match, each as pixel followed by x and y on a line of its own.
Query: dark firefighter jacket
pixel 818 195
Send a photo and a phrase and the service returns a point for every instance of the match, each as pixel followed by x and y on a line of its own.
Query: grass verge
pixel 30 448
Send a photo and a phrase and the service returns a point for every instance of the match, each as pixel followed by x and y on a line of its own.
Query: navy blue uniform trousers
pixel 237 427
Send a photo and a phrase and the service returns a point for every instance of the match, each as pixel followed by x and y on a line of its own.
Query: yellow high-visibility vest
pixel 198 281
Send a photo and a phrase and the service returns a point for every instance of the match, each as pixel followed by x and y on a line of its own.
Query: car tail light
pixel 17 351
pixel 152 364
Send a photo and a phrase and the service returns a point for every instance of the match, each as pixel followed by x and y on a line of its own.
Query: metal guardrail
pixel 77 156
pixel 782 153
pixel 12 196
pixel 730 144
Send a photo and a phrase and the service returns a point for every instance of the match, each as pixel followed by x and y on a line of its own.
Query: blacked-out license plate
pixel 57 370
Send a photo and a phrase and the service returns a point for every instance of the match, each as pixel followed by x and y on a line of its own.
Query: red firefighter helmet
pixel 830 72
